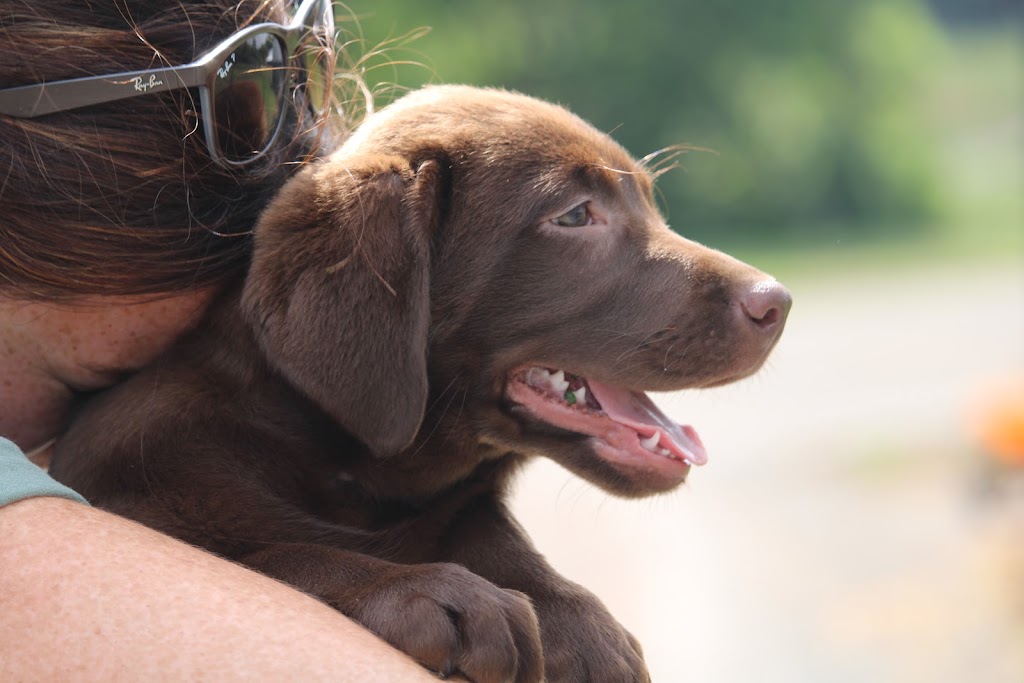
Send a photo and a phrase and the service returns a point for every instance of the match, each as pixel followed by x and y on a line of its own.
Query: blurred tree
pixel 813 108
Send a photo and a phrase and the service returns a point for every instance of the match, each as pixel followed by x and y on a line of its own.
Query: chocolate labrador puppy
pixel 474 279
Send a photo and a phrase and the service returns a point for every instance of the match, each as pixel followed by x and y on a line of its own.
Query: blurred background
pixel 862 514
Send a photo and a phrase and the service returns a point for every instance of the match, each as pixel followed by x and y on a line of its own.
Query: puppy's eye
pixel 575 217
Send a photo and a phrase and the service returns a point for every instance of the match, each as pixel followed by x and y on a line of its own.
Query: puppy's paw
pixel 584 644
pixel 452 621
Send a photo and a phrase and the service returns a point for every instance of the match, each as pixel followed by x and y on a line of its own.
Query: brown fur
pixel 339 422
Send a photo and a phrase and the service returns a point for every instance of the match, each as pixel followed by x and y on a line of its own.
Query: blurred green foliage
pixel 818 113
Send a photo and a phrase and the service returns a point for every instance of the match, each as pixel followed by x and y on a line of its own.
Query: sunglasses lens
pixel 317 55
pixel 248 94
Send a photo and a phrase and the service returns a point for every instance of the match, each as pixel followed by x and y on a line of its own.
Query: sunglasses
pixel 244 83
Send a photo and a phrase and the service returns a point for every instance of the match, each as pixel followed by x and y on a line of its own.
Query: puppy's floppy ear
pixel 338 291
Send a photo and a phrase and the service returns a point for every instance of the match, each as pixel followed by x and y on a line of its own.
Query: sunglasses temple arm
pixel 47 98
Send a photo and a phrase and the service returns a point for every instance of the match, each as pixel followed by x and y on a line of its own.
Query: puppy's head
pixel 487 251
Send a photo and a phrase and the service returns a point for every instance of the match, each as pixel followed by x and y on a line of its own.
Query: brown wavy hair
pixel 123 198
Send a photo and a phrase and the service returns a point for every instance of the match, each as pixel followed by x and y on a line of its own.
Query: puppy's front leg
pixel 445 617
pixel 581 640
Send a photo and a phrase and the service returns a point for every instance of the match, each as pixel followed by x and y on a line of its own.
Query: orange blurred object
pixel 997 420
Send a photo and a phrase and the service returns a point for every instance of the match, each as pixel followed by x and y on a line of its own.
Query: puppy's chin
pixel 615 438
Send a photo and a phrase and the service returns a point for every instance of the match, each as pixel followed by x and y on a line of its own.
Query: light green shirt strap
pixel 20 479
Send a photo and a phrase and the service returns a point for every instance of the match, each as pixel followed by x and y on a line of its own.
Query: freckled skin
pixel 50 351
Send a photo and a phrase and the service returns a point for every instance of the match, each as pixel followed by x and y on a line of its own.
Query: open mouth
pixel 627 427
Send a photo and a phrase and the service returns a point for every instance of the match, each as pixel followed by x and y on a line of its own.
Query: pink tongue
pixel 638 412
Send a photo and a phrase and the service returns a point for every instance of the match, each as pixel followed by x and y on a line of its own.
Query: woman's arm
pixel 88 596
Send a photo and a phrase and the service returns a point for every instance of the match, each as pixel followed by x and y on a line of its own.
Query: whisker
pixel 681 356
pixel 673 151
pixel 612 169
pixel 651 338
pixel 440 396
pixel 439 420
pixel 665 169
pixel 465 395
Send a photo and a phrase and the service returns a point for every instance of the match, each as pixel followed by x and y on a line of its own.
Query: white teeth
pixel 558 382
pixel 581 395
pixel 537 377
pixel 664 451
pixel 651 442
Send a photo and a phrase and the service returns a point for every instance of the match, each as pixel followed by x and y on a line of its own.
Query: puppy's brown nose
pixel 766 305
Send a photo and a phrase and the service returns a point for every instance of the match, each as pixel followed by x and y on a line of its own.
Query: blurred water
pixel 839 533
